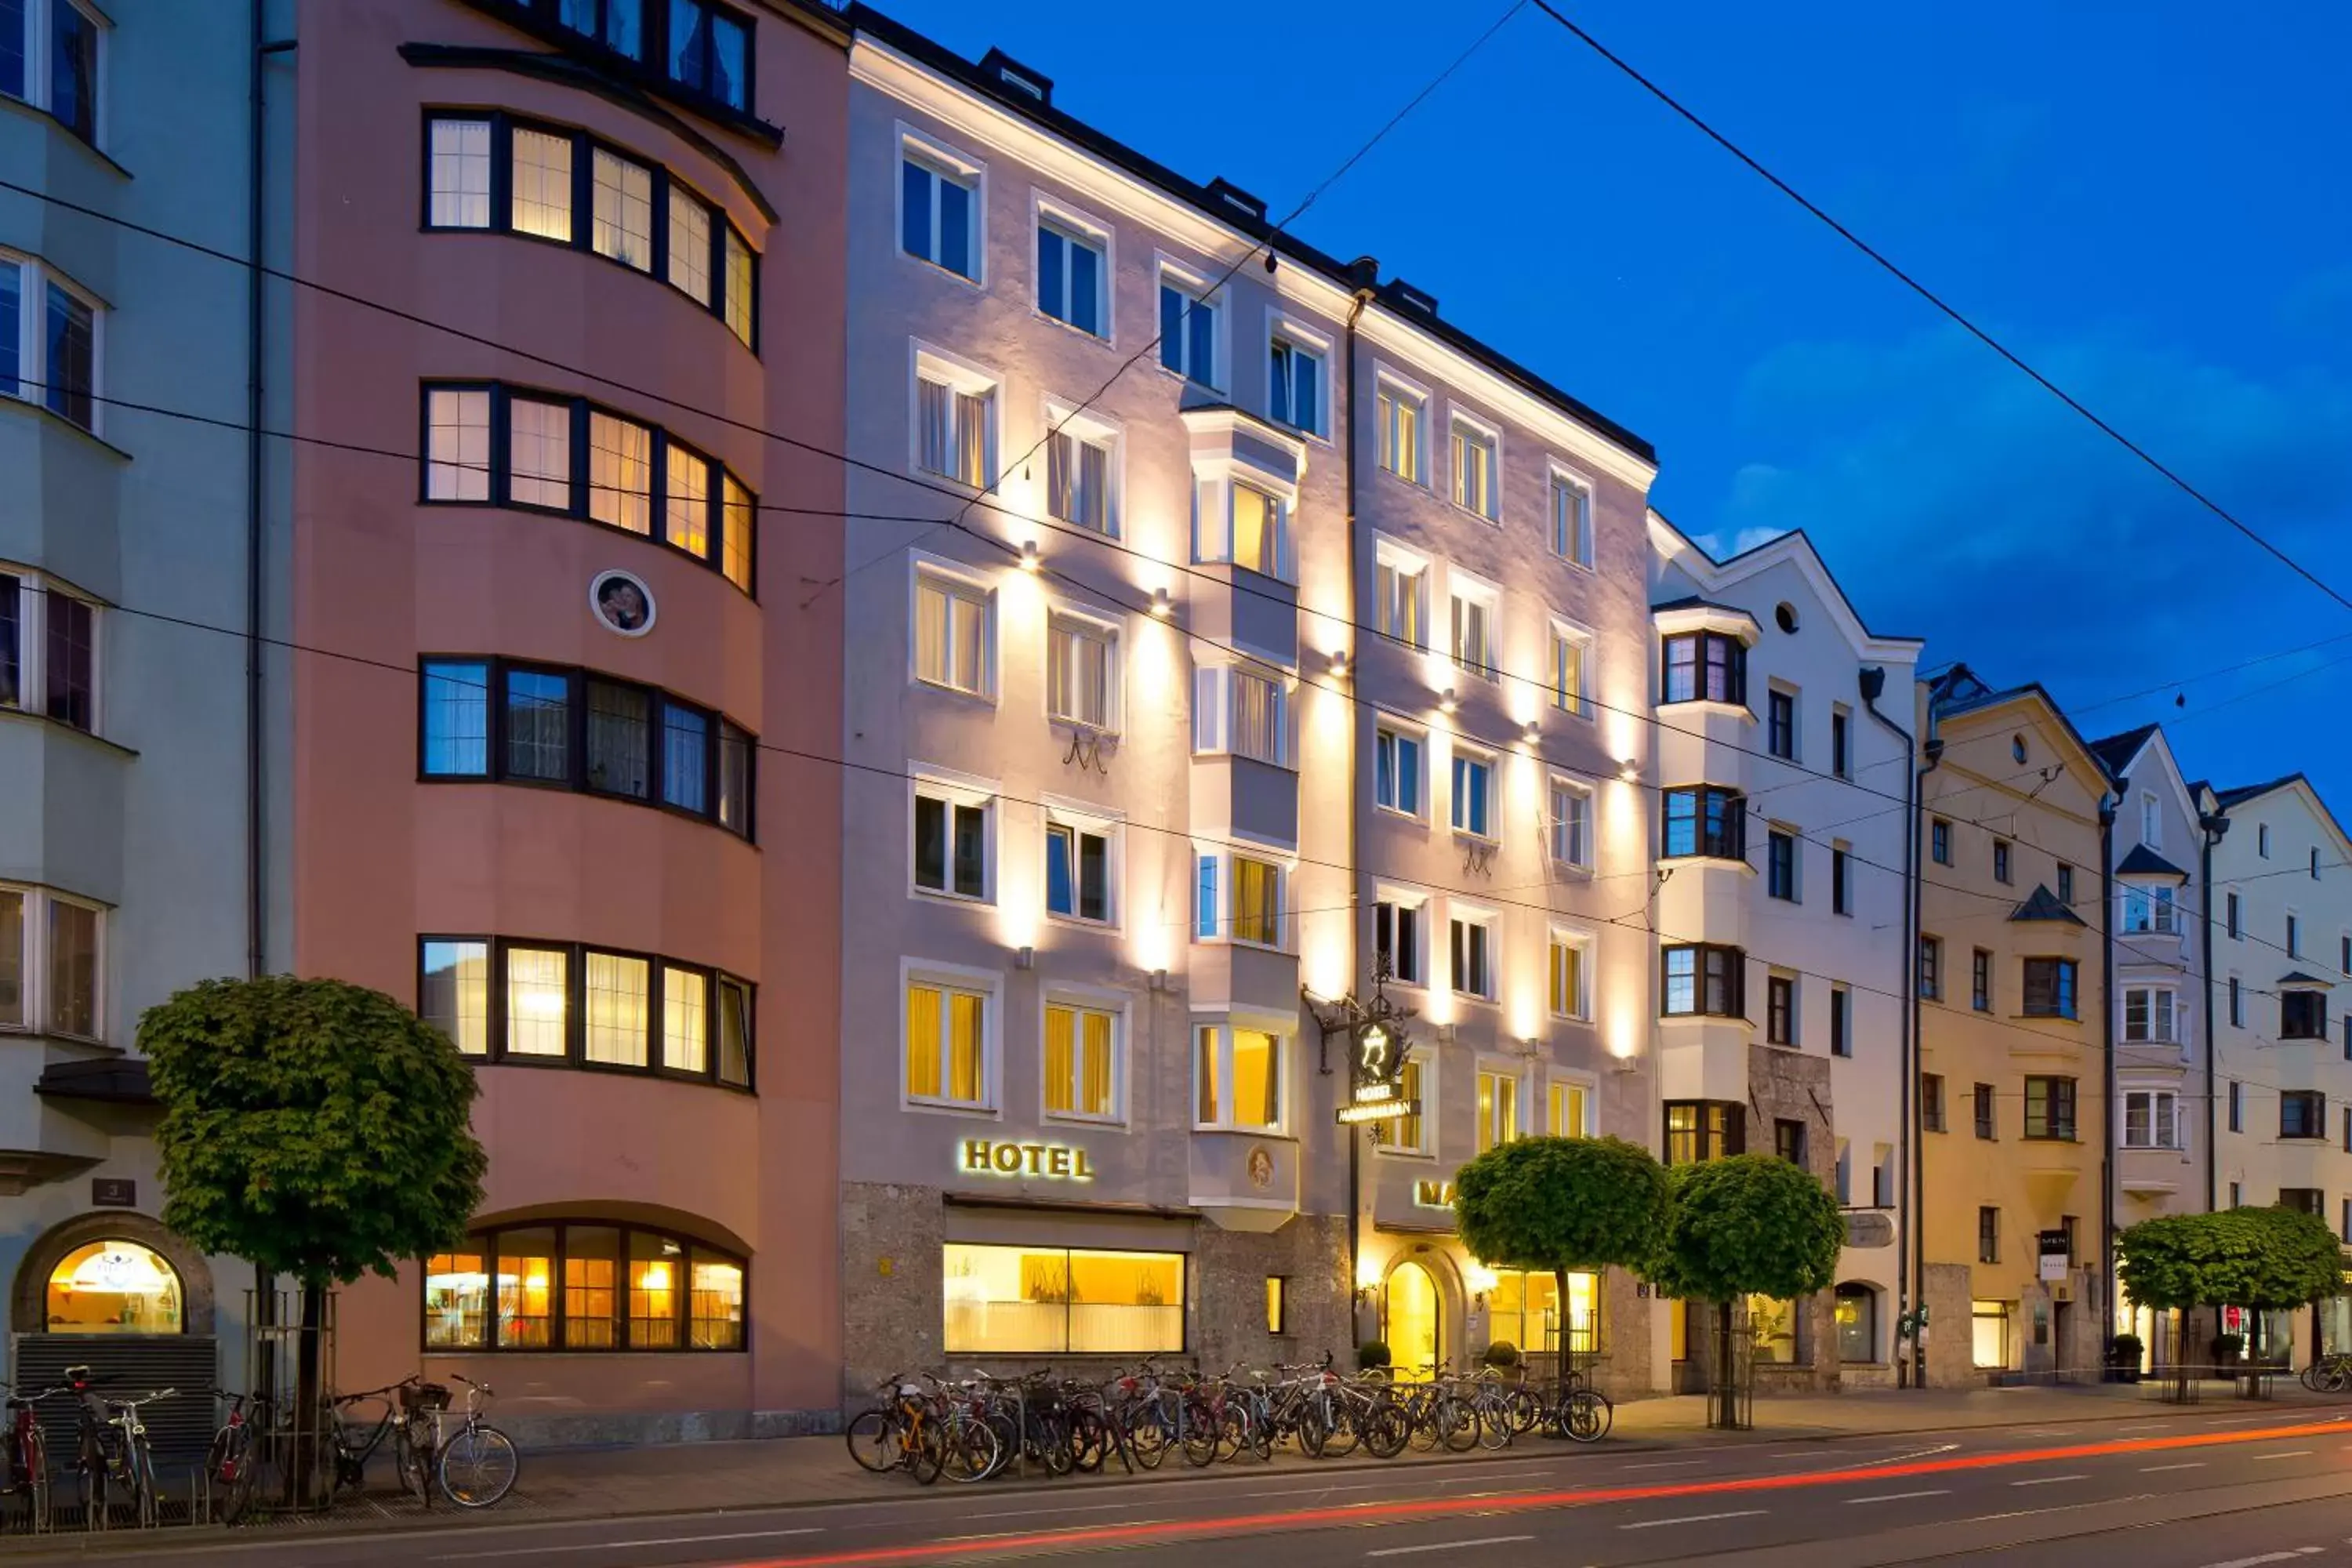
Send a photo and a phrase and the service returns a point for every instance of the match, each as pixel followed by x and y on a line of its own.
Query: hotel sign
pixel 1050 1161
pixel 1374 1096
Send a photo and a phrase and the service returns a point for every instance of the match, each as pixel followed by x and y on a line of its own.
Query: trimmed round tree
pixel 1562 1206
pixel 1752 1225
pixel 316 1129
pixel 2296 1258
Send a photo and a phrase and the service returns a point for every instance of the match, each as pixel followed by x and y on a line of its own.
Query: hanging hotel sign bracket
pixel 1377 1042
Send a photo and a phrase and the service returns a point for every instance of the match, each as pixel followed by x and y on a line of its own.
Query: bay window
pixel 2049 988
pixel 1243 710
pixel 1237 1076
pixel 1239 897
pixel 52 951
pixel 950 1038
pixel 1705 820
pixel 49 651
pixel 2151 1016
pixel 1053 1300
pixel 2303 1014
pixel 582 1285
pixel 50 336
pixel 1705 666
pixel 495 721
pixel 1704 980
pixel 52 56
pixel 2050 1108
pixel 2149 910
pixel 568 1005
pixel 1081 1062
pixel 709 52
pixel 1702 1130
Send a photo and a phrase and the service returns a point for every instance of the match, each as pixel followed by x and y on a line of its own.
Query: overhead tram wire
pixel 1943 307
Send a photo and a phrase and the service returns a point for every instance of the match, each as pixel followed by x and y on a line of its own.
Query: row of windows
pixel 495 172
pixel 50 334
pixel 1939 850
pixel 1401 785
pixel 494 718
pixel 1473 450
pixel 556 1002
pixel 508 446
pixel 52 55
pixel 1506 1105
pixel 52 955
pixel 2234 925
pixel 2049 988
pixel 1401 592
pixel 1703 980
pixel 702 48
pixel 584 1286
pixel 1402 932
pixel 48 651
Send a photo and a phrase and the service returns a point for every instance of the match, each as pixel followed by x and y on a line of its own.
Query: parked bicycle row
pixel 973 1427
pixel 259 1457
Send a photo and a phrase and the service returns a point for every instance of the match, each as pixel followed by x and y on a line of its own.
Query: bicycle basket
pixel 423 1398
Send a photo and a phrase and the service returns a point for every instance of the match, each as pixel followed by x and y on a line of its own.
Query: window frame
pixel 1460 759
pixel 37 1006
pixel 1840 1021
pixel 484 1239
pixel 1558 480
pixel 1781 864
pixel 1118 1006
pixel 2062 987
pixel 2303 1013
pixel 1717 1129
pixel 39 86
pixel 36 385
pixel 1395 900
pixel 1474 933
pixel 1224 1025
pixel 1584 951
pixel 1392 396
pixel 989 985
pixel 1571 848
pixel 1466 591
pixel 1929 967
pixel 2159 899
pixel 2157 1002
pixel 2161 1117
pixel 1704 647
pixel 2060 1116
pixel 1066 618
pixel 1841 878
pixel 1082 823
pixel 1084 427
pixel 1213 687
pixel 1074 229
pixel 1499 1109
pixel 962 379
pixel 1466 431
pixel 955 581
pixel 574 1057
pixel 1781 1011
pixel 954 792
pixel 1285 332
pixel 1781 721
pixel 1577 704
pixel 1396 563
pixel 940 162
pixel 1215 888
pixel 1705 957
pixel 1709 803
pixel 1200 292
pixel 718 733
pixel 36 593
pixel 1393 739
pixel 2311 1124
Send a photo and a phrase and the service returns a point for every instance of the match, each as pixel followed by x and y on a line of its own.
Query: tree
pixel 2296 1258
pixel 1561 1205
pixel 314 1128
pixel 1752 1225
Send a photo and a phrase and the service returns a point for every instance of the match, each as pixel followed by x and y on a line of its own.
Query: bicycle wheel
pixel 970 1451
pixel 2317 1375
pixel 927 1451
pixel 1585 1417
pixel 1524 1409
pixel 1460 1423
pixel 874 1441
pixel 1149 1434
pixel 478 1467
pixel 1201 1434
pixel 1383 1429
pixel 1494 1424
pixel 142 1466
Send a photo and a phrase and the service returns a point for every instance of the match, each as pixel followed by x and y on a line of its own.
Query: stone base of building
pixel 1946 1289
pixel 545 1432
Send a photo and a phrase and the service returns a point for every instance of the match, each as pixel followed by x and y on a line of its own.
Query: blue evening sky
pixel 2146 198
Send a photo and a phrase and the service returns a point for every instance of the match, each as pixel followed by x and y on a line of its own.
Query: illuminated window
pixel 1238 1078
pixel 955 420
pixel 1571 519
pixel 518 1001
pixel 947 1045
pixel 1775 1327
pixel 1571 1110
pixel 1400 416
pixel 1258 902
pixel 582 1285
pixel 1498 1109
pixel 689 244
pixel 620 472
pixel 1572 825
pixel 621 210
pixel 525 1278
pixel 1523 1308
pixel 686 1019
pixel 1570 652
pixel 1080 859
pixel 740 302
pixel 1404 601
pixel 1571 963
pixel 1257 530
pixel 538 998
pixel 457 445
pixel 736 525
pixel 1277 1304
pixel 1474 632
pixel 1081 1062
pixel 539 453
pixel 1079 461
pixel 617 1009
pixel 1476 484
pixel 114 1287
pixel 953 634
pixel 687 521
pixel 541 180
pixel 1413 1084
pixel 1081 672
pixel 1035 1301
pixel 459 175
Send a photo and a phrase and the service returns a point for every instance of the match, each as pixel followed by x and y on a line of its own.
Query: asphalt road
pixel 2215 1489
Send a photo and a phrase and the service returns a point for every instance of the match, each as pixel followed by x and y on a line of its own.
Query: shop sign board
pixel 1050 1161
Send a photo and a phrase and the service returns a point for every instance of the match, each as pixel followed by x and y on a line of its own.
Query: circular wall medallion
pixel 1261 1168
pixel 622 603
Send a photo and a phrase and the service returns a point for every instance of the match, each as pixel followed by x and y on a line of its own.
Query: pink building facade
pixel 554 577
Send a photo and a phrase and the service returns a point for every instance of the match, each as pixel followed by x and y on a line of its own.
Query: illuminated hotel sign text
pixel 1054 1162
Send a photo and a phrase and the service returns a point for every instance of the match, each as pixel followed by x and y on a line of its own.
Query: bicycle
pixel 2330 1374
pixel 398 1421
pixel 28 1473
pixel 231 1463
pixel 111 1445
pixel 478 1466
pixel 900 1434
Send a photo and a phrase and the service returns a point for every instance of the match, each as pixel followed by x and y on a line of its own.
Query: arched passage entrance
pixel 1414 1319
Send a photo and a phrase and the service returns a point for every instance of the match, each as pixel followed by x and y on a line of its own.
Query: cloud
pixel 1740 542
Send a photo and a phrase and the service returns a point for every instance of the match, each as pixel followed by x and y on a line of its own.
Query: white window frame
pixel 1387 384
pixel 1459 421
pixel 1556 828
pixel 1109 827
pixel 2160 897
pixel 1499 1070
pixel 1062 613
pixel 1119 1006
pixel 1464 587
pixel 34 277
pixel 1403 562
pixel 1578 703
pixel 963 377
pixel 1581 943
pixel 1579 551
pixel 957 579
pixel 1049 212
pixel 2169 997
pixel 1425 1059
pixel 1402 735
pixel 1559 1078
pixel 1192 282
pixel 2151 820
pixel 1285 1034
pixel 954 789
pixel 1411 898
pixel 1454 804
pixel 1212 706
pixel 1217 860
pixel 1281 327
pixel 34 592
pixel 2170 1139
pixel 38 1004
pixel 39 38
pixel 989 983
pixel 1467 915
pixel 1096 428
pixel 943 161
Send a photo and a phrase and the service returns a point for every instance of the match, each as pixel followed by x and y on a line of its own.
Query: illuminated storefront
pixel 582 1287
pixel 114 1287
pixel 1047 1300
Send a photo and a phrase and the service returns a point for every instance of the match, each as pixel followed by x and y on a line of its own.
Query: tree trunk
pixel 1565 1361
pixel 261 1362
pixel 1727 1411
pixel 314 1464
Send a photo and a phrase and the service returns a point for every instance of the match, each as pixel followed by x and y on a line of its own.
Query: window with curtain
pixel 1078 668
pixel 1077 480
pixel 457 445
pixel 619 740
pixel 687 524
pixel 1569 957
pixel 539 453
pixel 947 1042
pixel 1258 902
pixel 540 179
pixel 1257 530
pixel 1398 416
pixel 621 210
pixel 539 725
pixel 1237 1078
pixel 1257 727
pixel 1081 1047
pixel 620 472
pixel 1033 1300
pixel 953 426
pixel 539 1002
pixel 583 1285
pixel 617 1009
pixel 952 633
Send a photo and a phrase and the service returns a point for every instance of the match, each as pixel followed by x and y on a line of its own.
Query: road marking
pixel 2266 1557
pixel 2047 1480
pixel 2144 1426
pixel 1694 1518
pixel 1449 1545
pixel 2283 1454
pixel 1667 1465
pixel 2152 1469
pixel 1284 1491
pixel 623 1545
pixel 1900 1497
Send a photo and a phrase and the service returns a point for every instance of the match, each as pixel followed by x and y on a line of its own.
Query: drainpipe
pixel 2211 830
pixel 2107 803
pixel 1367 272
pixel 1907 1290
pixel 256 929
pixel 1932 750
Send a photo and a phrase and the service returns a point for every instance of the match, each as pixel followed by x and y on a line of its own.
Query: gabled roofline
pixel 1941 708
pixel 2229 800
pixel 1795 547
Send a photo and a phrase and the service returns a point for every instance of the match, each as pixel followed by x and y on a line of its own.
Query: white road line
pixel 2266 1557
pixel 1667 1465
pixel 623 1545
pixel 2144 1426
pixel 2284 1454
pixel 1900 1497
pixel 2047 1480
pixel 2153 1469
pixel 1283 1491
pixel 1449 1545
pixel 1693 1518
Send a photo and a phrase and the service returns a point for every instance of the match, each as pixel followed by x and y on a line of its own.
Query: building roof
pixel 2298 977
pixel 1693 602
pixel 2145 862
pixel 1960 690
pixel 2240 794
pixel 1223 201
pixel 2041 904
pixel 1780 545
pixel 2115 752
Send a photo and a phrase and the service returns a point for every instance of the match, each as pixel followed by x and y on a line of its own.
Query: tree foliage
pixel 1750 1225
pixel 2266 1257
pixel 313 1127
pixel 1561 1203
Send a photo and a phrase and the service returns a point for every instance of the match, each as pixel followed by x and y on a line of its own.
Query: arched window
pixel 114 1287
pixel 1858 1322
pixel 582 1285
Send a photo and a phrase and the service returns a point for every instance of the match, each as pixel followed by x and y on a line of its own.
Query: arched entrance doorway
pixel 1414 1319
